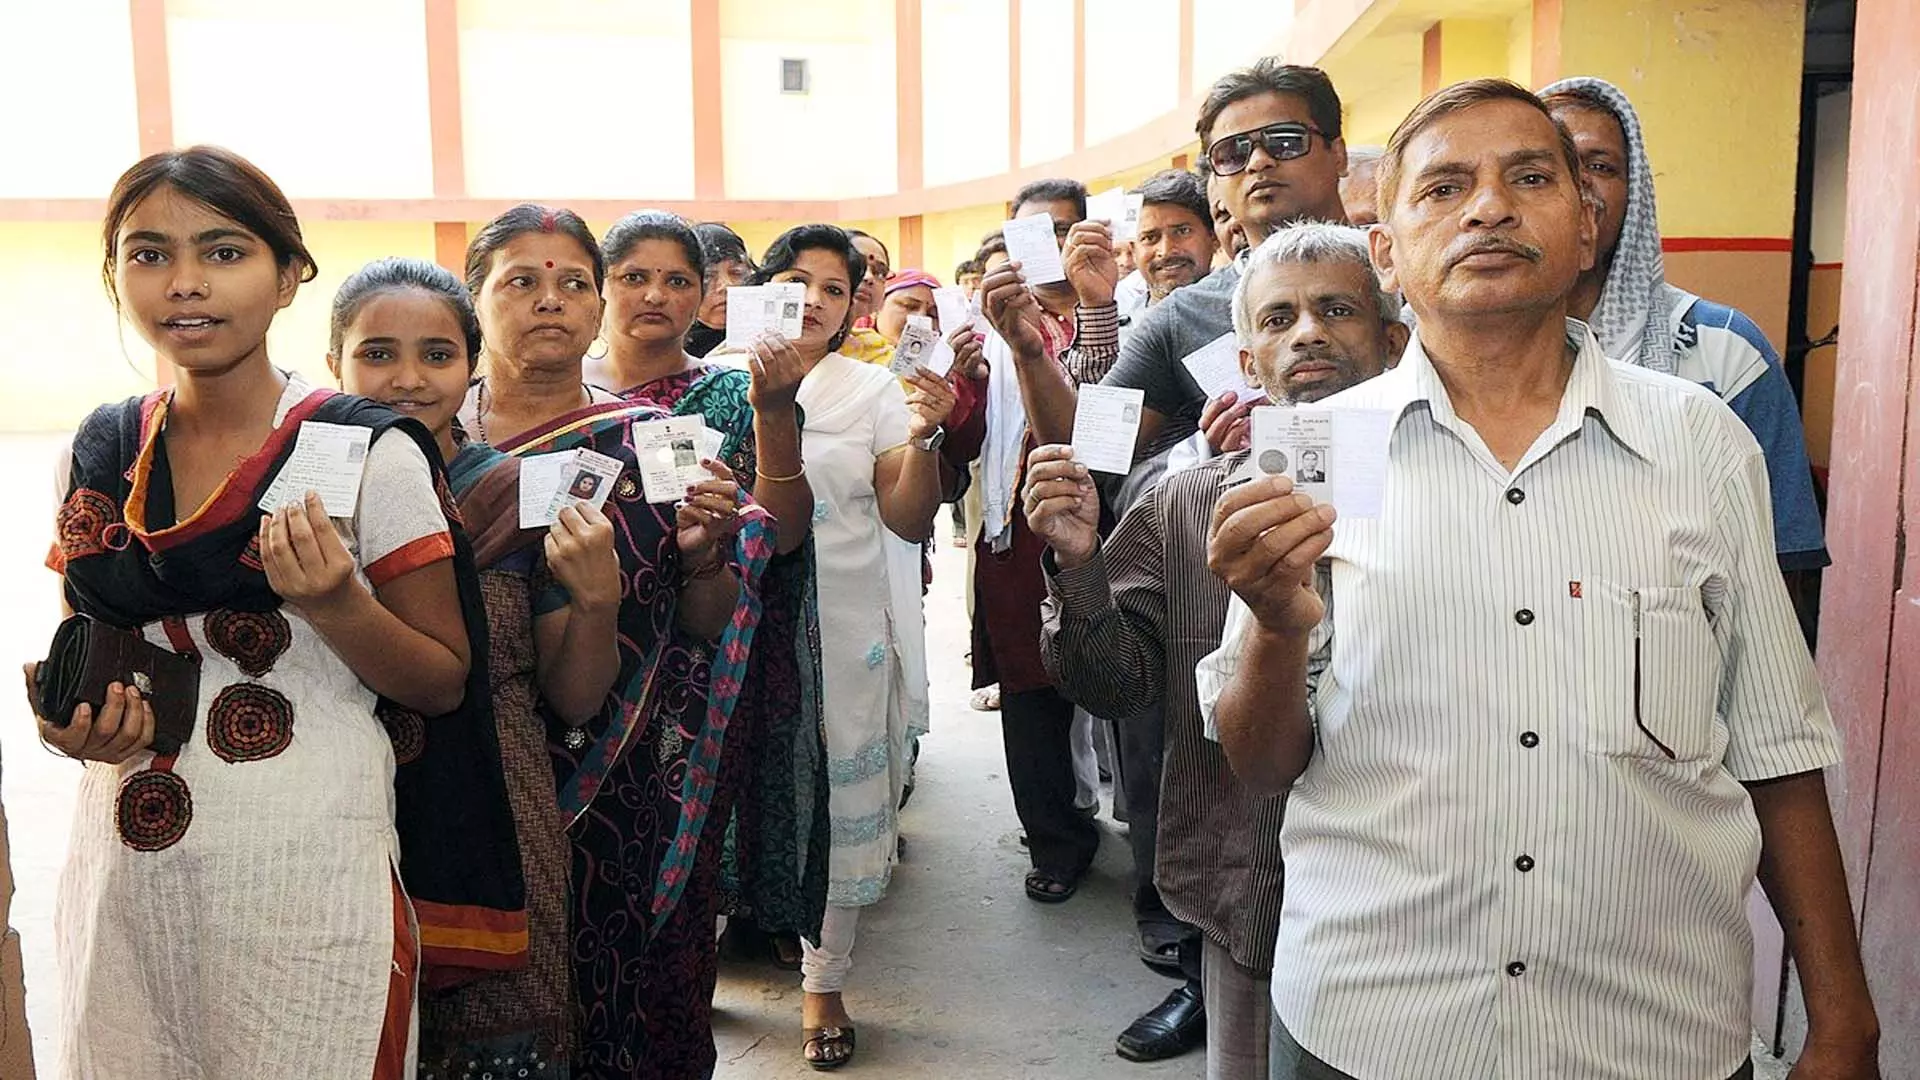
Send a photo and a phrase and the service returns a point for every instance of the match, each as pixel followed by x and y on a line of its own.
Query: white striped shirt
pixel 1492 870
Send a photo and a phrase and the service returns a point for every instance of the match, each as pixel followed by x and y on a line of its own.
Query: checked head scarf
pixel 1632 318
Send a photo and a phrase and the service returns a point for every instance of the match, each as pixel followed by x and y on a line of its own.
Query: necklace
pixel 481 406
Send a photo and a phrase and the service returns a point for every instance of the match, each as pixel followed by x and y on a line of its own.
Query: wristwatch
pixel 932 442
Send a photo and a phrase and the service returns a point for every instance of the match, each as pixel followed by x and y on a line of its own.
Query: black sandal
pixel 1046 889
pixel 835 1047
pixel 784 950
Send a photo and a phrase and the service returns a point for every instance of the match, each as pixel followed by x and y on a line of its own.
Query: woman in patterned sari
pixel 774 876
pixel 638 781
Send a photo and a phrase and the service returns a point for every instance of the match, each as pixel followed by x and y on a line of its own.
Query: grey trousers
pixel 1239 1009
pixel 1290 1062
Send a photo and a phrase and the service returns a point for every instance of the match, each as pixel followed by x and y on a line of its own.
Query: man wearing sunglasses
pixel 1542 717
pixel 1275 155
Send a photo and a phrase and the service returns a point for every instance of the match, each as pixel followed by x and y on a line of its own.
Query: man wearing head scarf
pixel 1643 320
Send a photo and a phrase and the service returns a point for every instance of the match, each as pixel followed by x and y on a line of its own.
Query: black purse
pixel 88 655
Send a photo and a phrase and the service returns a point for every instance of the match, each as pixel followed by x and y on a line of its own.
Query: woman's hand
pixel 305 560
pixel 969 353
pixel 707 518
pixel 580 554
pixel 929 403
pixel 123 728
pixel 777 368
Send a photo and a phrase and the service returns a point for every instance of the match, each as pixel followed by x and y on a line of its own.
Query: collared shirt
pixel 1127 628
pixel 1522 847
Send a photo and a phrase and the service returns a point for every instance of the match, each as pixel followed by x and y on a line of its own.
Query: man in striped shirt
pixel 1127 619
pixel 1544 717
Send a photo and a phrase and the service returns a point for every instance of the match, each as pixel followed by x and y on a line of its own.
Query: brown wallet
pixel 88 655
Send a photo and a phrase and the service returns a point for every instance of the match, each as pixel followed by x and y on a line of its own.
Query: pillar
pixel 1717 87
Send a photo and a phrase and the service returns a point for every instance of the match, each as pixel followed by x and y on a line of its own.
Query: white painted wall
pixel 576 115
pixel 331 100
pixel 1829 226
pixel 964 62
pixel 1046 80
pixel 1133 64
pixel 838 140
pixel 66 68
pixel 1229 34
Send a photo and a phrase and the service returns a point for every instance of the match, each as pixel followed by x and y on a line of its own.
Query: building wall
pixel 92 86
pixel 607 86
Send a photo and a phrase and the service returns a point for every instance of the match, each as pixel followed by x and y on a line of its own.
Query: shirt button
pixel 1516 496
pixel 1516 969
pixel 1524 617
pixel 1529 740
pixel 1523 864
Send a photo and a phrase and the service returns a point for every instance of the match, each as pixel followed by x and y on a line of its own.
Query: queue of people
pixel 1473 787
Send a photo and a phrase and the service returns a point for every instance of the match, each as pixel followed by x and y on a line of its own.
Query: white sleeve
pixel 399 525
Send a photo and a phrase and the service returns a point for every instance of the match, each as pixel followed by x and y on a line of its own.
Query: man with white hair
pixel 1360 188
pixel 1127 619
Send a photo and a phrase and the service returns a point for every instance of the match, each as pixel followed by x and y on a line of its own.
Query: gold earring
pixel 605 347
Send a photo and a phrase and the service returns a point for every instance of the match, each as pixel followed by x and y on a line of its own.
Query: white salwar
pixel 873 641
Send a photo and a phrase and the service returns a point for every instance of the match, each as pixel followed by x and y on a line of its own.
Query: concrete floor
pixel 957 974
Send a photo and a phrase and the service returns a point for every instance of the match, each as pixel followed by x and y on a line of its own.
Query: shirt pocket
pixel 1651 673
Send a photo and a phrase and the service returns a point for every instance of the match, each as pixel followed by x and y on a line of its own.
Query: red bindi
pixel 549 264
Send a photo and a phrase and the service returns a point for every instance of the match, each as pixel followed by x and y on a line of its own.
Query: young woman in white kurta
pixel 231 912
pixel 869 450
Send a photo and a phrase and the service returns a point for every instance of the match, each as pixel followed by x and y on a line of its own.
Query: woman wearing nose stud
pixel 773 879
pixel 638 778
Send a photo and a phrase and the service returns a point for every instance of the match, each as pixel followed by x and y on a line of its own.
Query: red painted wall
pixel 1870 615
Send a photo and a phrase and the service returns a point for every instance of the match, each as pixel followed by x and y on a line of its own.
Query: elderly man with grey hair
pixel 1360 188
pixel 1127 619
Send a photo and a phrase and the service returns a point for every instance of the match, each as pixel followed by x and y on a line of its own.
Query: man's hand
pixel 1062 505
pixel 1013 310
pixel 1091 267
pixel 1263 543
pixel 1854 1060
pixel 1228 422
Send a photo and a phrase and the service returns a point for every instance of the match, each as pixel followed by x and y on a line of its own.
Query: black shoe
pixel 1172 1028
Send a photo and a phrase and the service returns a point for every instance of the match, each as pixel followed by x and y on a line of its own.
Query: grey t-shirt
pixel 1150 355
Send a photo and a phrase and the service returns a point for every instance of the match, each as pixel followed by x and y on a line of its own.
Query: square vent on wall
pixel 793 76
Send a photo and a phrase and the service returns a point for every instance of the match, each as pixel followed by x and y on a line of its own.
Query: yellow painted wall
pixel 963 89
pixel 955 235
pixel 1520 49
pixel 59 354
pixel 1474 49
pixel 330 99
pixel 606 88
pixel 1133 73
pixel 1718 93
pixel 92 88
pixel 65 351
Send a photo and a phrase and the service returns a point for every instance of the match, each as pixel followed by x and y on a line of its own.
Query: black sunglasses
pixel 1283 142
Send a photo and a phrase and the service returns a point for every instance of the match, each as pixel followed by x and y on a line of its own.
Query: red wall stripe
pixel 1726 243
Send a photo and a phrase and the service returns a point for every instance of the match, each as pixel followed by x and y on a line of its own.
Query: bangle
pixel 780 479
